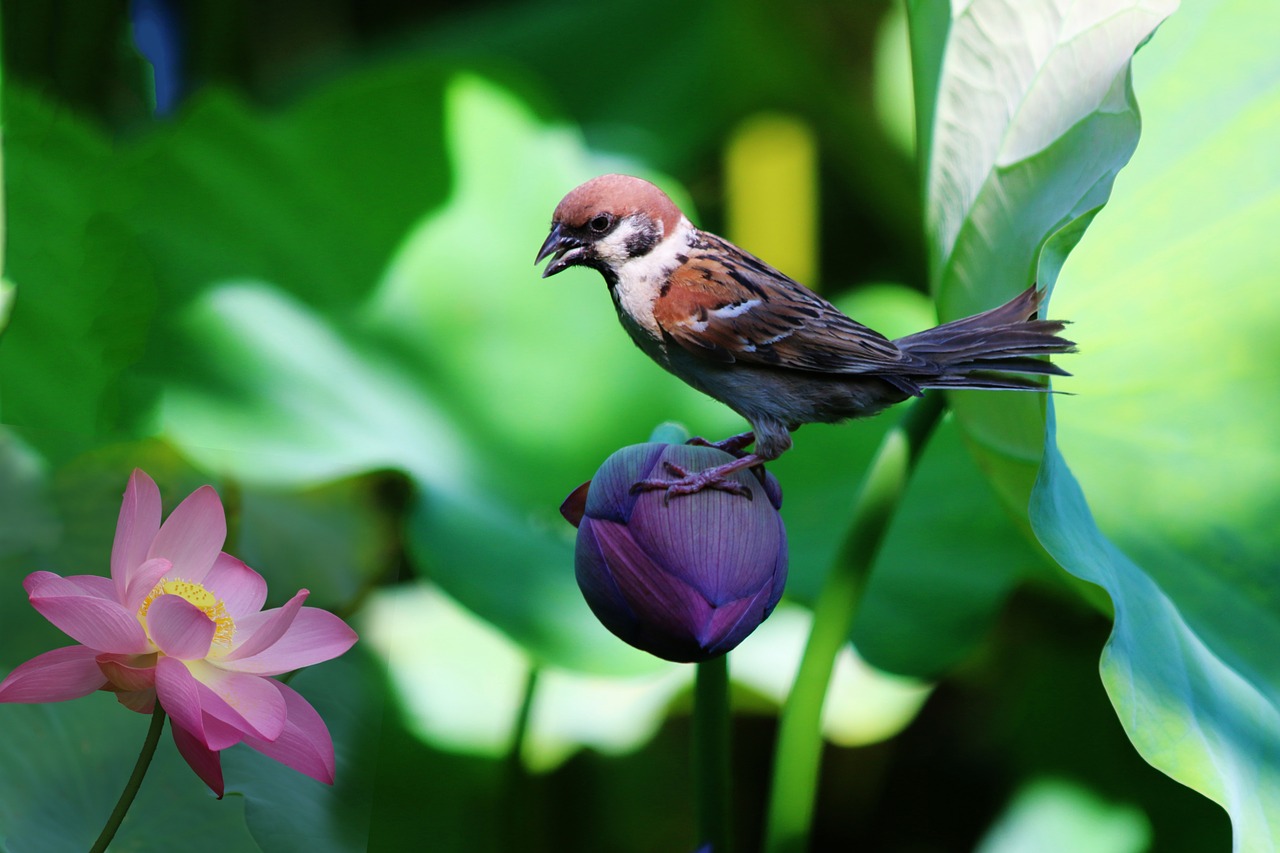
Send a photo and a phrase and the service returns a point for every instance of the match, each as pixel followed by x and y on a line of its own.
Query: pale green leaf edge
pixel 1187 712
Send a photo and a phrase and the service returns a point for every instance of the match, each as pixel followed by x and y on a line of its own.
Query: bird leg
pixel 733 445
pixel 690 482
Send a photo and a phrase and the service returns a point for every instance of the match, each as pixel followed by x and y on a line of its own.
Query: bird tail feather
pixel 988 350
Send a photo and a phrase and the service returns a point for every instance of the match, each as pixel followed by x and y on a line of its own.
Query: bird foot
pixel 690 482
pixel 734 445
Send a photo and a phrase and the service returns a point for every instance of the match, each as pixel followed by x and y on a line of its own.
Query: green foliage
pixel 65 765
pixel 6 303
pixel 287 395
pixel 1015 177
pixel 1172 435
pixel 285 812
pixel 329 310
pixel 1052 815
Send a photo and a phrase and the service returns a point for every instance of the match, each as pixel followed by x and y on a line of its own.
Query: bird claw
pixel 734 445
pixel 691 482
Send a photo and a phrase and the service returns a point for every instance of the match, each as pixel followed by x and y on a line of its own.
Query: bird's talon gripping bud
pixel 676 469
pixel 691 482
pixel 734 445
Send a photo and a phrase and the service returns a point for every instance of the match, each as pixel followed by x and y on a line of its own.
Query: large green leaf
pixel 6 303
pixel 1172 436
pixel 287 812
pixel 61 191
pixel 336 540
pixel 950 559
pixel 64 768
pixel 1025 119
pixel 1033 117
pixel 65 765
pixel 1171 413
pixel 1055 816
pixel 1186 708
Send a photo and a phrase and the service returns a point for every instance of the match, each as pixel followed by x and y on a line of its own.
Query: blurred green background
pixel 289 251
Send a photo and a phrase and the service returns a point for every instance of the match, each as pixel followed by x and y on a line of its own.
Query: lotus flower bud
pixel 685 579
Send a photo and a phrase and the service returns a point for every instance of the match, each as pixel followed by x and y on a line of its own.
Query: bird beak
pixel 564 250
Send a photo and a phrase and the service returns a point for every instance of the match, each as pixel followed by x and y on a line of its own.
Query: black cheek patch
pixel 642 242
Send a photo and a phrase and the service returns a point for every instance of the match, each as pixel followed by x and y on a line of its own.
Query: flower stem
pixel 521 811
pixel 524 715
pixel 799 749
pixel 135 782
pixel 711 753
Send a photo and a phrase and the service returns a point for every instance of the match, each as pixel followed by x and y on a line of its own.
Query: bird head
pixel 607 222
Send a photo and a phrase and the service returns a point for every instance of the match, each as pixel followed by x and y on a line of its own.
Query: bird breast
pixel 640 281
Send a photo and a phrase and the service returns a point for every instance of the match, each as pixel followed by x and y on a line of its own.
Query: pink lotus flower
pixel 181 621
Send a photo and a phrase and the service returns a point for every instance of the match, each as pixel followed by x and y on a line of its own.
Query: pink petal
pixel 192 705
pixel 179 628
pixel 219 734
pixel 179 695
pixel 99 623
pixel 204 761
pixel 92 585
pixel 128 673
pixel 241 589
pixel 192 535
pixel 262 630
pixel 247 702
pixel 305 744
pixel 142 580
pixel 316 635
pixel 137 525
pixel 142 701
pixel 55 676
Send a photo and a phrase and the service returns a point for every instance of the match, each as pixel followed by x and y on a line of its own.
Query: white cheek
pixel 613 248
pixel 662 259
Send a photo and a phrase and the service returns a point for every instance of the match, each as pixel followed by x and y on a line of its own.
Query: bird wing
pixel 727 306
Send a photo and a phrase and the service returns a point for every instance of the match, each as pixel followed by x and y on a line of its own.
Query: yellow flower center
pixel 196 594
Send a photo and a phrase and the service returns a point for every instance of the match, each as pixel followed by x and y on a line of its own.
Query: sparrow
pixel 760 342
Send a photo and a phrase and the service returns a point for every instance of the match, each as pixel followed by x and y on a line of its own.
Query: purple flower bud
pixel 686 579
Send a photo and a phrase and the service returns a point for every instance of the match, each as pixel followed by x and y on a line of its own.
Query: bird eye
pixel 600 223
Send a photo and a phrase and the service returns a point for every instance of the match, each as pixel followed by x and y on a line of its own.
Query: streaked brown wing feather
pixel 725 305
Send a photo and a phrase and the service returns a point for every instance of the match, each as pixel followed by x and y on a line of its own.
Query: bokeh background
pixel 286 248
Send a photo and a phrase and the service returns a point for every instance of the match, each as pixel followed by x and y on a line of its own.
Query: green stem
pixel 135 782
pixel 517 803
pixel 711 753
pixel 799 748
pixel 523 715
